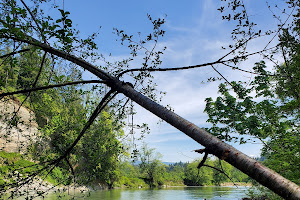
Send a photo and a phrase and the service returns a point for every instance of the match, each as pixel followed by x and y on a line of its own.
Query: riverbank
pixel 236 184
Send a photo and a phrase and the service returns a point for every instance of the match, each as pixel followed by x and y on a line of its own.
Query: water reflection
pixel 209 192
pixel 174 193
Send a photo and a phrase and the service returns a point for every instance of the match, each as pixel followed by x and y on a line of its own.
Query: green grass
pixel 15 167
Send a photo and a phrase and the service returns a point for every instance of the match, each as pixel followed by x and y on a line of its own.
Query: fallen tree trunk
pixel 247 165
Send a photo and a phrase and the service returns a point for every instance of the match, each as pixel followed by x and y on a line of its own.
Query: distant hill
pixel 166 163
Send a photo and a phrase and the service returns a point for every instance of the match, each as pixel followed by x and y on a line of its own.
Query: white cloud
pixel 191 45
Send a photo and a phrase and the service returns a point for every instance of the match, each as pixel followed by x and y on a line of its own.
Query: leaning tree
pixel 25 27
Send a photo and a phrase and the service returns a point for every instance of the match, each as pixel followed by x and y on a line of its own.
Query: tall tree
pixel 100 152
pixel 151 167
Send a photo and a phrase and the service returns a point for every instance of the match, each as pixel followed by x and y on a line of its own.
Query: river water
pixel 173 193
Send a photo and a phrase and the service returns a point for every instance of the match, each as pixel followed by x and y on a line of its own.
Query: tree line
pixel 154 173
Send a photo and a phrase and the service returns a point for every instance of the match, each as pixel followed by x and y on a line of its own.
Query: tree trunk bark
pixel 249 166
pixel 265 176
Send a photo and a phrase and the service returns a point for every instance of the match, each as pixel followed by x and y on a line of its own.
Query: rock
pixel 15 137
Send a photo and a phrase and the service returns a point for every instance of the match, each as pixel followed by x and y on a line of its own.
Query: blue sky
pixel 194 35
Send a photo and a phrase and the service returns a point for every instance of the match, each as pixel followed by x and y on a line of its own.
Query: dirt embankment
pixel 17 129
pixel 16 135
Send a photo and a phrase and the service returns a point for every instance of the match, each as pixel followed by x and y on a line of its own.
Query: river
pixel 173 193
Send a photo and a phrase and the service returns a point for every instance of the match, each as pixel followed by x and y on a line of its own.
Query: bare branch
pixel 246 71
pixel 202 161
pixel 221 172
pixel 194 66
pixel 13 53
pixel 221 76
pixel 71 167
pixel 34 19
pixel 40 70
pixel 236 48
pixel 167 69
pixel 15 48
pixel 274 15
pixel 49 87
pixel 279 29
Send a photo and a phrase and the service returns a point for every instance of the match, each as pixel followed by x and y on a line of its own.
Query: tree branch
pixel 106 99
pixel 50 87
pixel 246 71
pixel 221 172
pixel 34 19
pixel 192 66
pixel 279 29
pixel 288 74
pixel 33 85
pixel 71 168
pixel 221 76
pixel 13 53
pixel 3 61
pixel 82 63
pixel 203 160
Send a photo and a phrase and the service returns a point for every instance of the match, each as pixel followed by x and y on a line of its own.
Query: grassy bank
pixel 15 168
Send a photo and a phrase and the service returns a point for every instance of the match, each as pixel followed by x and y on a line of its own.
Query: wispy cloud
pixel 185 93
pixel 198 40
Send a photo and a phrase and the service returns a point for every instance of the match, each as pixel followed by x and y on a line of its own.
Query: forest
pixel 100 157
pixel 81 137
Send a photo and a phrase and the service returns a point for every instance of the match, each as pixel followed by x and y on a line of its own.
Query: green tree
pixel 238 176
pixel 268 120
pixel 152 169
pixel 198 177
pixel 175 174
pixel 219 177
pixel 8 71
pixel 100 153
pixel 130 176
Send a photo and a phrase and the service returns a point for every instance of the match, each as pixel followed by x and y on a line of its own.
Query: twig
pixel 222 76
pixel 246 71
pixel 71 168
pixel 280 28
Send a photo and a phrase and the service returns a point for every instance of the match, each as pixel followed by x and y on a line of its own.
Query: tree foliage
pixel 268 108
pixel 152 169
